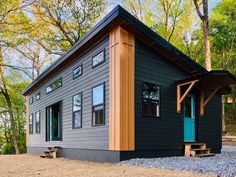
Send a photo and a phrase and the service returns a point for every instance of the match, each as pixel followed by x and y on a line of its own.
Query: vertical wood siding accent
pixel 27 119
pixel 87 137
pixel 121 113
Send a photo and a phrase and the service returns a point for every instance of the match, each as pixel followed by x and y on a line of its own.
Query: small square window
pixel 77 111
pixel 98 59
pixel 37 97
pixel 37 122
pixel 31 100
pixel 98 105
pixel 77 72
pixel 151 100
pixel 31 124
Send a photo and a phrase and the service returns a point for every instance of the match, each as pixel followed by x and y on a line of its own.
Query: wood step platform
pixel 197 150
pixel 50 153
pixel 205 155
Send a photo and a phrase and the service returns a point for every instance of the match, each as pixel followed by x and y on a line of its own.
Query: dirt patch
pixel 29 165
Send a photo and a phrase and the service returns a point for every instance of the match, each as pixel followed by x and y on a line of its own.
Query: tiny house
pixel 124 92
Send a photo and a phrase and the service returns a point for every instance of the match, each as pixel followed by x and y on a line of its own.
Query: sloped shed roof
pixel 118 16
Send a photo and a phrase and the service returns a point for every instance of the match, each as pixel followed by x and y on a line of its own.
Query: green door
pixel 54 123
pixel 189 118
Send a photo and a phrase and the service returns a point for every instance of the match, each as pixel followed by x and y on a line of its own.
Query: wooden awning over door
pixel 212 82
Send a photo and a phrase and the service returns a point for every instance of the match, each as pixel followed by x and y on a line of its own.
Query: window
pixel 31 100
pixel 98 105
pixel 37 97
pixel 55 85
pixel 77 111
pixel 31 124
pixel 37 122
pixel 98 59
pixel 151 100
pixel 188 107
pixel 77 72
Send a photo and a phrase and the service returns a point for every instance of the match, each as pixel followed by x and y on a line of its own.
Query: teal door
pixel 54 124
pixel 189 118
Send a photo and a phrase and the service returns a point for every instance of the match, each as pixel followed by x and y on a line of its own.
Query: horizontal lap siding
pixel 166 132
pixel 210 124
pixel 87 137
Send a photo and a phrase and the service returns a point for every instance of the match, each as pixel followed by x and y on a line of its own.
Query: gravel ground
pixel 222 164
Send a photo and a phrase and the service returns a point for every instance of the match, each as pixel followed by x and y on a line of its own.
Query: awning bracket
pixel 181 98
pixel 204 102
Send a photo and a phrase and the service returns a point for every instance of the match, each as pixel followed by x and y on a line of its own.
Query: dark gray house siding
pixel 210 126
pixel 87 137
pixel 166 133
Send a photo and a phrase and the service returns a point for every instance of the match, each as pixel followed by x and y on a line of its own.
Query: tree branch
pixel 198 9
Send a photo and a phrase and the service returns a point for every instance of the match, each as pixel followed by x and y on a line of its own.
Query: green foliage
pixel 60 24
pixel 171 19
pixel 15 86
pixel 223 32
pixel 8 148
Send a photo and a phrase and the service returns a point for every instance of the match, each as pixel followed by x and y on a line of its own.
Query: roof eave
pixel 118 13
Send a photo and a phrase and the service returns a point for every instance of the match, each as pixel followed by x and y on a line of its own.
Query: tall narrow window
pixel 77 111
pixel 98 105
pixel 151 100
pixel 31 124
pixel 37 122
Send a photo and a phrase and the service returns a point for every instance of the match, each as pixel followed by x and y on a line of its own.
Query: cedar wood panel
pixel 87 137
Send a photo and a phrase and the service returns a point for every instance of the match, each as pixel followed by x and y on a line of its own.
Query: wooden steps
pixel 197 150
pixel 50 153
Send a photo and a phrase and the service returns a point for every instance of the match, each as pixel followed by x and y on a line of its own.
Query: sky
pixel 212 4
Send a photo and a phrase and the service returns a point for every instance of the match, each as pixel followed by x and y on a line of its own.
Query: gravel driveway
pixel 222 164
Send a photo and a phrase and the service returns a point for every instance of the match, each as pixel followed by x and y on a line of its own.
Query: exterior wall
pixel 87 137
pixel 95 155
pixel 166 133
pixel 210 125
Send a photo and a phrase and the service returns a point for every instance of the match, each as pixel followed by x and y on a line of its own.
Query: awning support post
pixel 181 98
pixel 204 102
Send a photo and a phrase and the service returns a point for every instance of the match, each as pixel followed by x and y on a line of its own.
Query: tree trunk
pixel 205 24
pixel 206 36
pixel 32 74
pixel 3 88
pixel 12 121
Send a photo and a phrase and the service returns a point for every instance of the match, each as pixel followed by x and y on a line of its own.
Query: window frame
pixel 146 116
pixel 31 130
pixel 103 61
pixel 73 122
pixel 31 102
pixel 39 96
pixel 75 77
pixel 103 104
pixel 38 123
pixel 60 78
